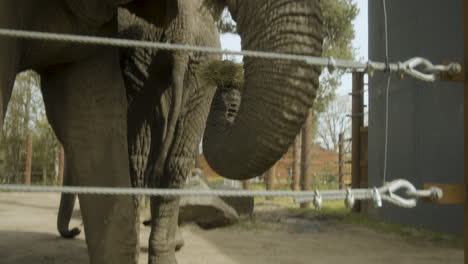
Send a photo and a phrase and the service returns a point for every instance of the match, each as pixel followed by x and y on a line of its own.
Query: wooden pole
pixel 270 180
pixel 61 165
pixel 357 123
pixel 296 178
pixel 465 23
pixel 27 169
pixel 364 162
pixel 44 175
pixel 340 160
pixel 246 184
pixel 306 168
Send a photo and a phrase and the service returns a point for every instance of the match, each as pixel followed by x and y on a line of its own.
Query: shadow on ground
pixel 40 248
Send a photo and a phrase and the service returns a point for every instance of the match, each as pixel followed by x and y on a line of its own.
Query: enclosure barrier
pixel 377 195
pixel 419 68
pixel 410 67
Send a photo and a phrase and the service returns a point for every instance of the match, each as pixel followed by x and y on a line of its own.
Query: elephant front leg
pixel 86 106
pixel 162 243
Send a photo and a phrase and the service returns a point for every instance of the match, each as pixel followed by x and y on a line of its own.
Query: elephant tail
pixel 67 202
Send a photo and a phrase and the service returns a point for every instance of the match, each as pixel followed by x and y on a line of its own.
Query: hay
pixel 223 74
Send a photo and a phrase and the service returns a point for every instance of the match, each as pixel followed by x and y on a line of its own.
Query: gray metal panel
pixel 426 134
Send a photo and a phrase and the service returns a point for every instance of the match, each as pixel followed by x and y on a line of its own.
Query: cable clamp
pixel 331 66
pixel 376 198
pixel 317 200
pixel 349 200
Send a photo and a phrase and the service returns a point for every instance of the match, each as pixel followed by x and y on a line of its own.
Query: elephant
pixel 145 73
pixel 118 135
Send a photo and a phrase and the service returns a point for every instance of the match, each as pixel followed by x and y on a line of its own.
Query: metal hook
pixel 409 67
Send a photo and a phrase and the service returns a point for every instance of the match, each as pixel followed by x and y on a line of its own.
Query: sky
pixel 232 42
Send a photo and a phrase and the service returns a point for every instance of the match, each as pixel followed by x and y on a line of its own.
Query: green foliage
pixel 26 115
pixel 339 33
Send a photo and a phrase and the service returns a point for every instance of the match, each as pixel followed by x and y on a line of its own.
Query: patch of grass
pixel 412 233
pixel 215 180
pixel 337 210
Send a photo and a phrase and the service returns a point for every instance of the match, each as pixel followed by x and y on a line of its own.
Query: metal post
pixel 357 123
pixel 340 160
pixel 27 169
pixel 465 23
pixel 306 168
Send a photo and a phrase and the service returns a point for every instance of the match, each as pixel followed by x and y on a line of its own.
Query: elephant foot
pixel 70 233
pixel 168 258
pixel 179 240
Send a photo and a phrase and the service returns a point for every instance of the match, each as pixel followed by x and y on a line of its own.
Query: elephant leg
pixel 86 106
pixel 162 242
pixel 67 204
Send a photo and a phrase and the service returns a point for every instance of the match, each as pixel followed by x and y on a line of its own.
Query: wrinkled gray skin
pixel 86 103
pixel 147 80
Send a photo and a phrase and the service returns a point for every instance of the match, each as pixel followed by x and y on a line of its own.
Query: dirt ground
pixel 28 235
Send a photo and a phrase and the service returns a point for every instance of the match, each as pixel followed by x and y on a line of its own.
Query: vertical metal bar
pixel 357 123
pixel 27 169
pixel 340 160
pixel 465 24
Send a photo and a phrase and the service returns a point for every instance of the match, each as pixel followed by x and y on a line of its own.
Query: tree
pixel 19 121
pixel 333 121
pixel 338 35
pixel 26 115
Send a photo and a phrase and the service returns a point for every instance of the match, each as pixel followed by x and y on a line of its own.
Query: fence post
pixel 27 169
pixel 296 178
pixel 44 175
pixel 61 165
pixel 363 163
pixel 340 160
pixel 306 168
pixel 357 123
pixel 246 184
pixel 270 180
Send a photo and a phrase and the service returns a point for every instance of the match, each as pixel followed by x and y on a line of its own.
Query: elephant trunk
pixel 276 94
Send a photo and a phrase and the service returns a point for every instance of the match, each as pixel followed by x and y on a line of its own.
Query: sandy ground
pixel 28 235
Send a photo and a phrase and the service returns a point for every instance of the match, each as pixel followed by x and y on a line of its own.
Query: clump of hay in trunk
pixel 224 74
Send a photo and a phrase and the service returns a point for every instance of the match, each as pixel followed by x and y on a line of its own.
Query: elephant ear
pixel 156 12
